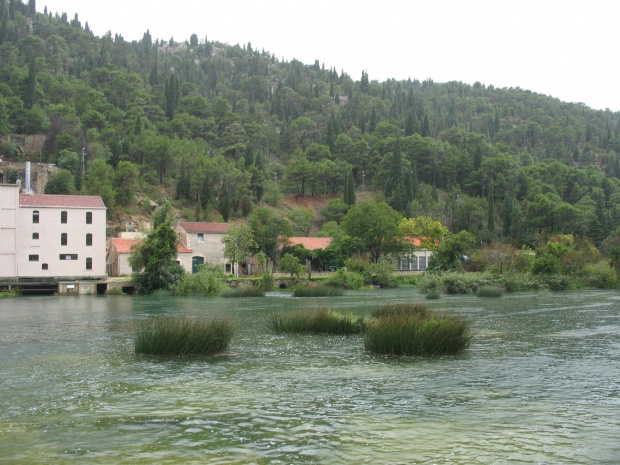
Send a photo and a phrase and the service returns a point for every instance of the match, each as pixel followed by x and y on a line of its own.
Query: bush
pixel 344 280
pixel 409 310
pixel 243 292
pixel 266 281
pixel 182 336
pixel 406 279
pixel 407 335
pixel 600 275
pixel 558 282
pixel 208 282
pixel 319 291
pixel 489 291
pixel 433 295
pixel 317 321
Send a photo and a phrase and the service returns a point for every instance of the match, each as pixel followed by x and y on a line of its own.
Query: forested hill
pixel 213 126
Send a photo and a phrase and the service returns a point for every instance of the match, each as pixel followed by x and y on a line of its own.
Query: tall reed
pixel 409 310
pixel 243 292
pixel 320 320
pixel 182 336
pixel 319 291
pixel 437 334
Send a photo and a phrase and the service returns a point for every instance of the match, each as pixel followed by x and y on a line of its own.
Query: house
pixel 311 244
pixel 120 248
pixel 416 260
pixel 204 240
pixel 51 236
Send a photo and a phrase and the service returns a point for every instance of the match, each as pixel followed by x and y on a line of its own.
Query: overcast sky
pixel 566 49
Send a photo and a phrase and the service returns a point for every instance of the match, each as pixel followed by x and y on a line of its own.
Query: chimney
pixel 26 189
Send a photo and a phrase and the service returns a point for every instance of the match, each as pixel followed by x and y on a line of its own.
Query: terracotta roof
pixel 213 228
pixel 66 201
pixel 124 245
pixel 310 243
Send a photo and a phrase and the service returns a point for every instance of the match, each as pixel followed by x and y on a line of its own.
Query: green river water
pixel 540 384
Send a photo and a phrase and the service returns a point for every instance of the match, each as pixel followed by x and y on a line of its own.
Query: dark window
pixel 89 263
pixel 201 237
pixel 89 217
pixel 35 235
pixel 89 239
pixel 68 256
pixel 44 266
pixel 35 216
pixel 63 239
pixel 33 258
pixel 63 217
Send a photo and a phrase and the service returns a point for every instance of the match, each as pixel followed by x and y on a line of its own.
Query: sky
pixel 565 49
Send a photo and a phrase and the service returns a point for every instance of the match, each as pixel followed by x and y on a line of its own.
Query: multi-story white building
pixel 51 236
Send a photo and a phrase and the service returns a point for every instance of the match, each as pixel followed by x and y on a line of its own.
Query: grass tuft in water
pixel 319 291
pixel 405 310
pixel 182 336
pixel 243 292
pixel 489 291
pixel 433 295
pixel 322 321
pixel 436 334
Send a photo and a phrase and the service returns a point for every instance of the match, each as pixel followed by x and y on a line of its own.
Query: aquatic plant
pixel 439 334
pixel 321 320
pixel 182 336
pixel 433 295
pixel 318 291
pixel 489 291
pixel 243 292
pixel 407 310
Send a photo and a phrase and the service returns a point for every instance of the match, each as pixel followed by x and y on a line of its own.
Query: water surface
pixel 538 385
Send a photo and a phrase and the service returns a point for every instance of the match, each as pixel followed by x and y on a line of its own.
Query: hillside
pixel 210 126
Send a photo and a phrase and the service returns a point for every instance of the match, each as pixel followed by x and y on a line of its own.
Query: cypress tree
pixel 349 188
pixel 225 205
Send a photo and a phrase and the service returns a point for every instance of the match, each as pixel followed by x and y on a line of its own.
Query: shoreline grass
pixel 318 291
pixel 489 291
pixel 321 321
pixel 182 336
pixel 243 292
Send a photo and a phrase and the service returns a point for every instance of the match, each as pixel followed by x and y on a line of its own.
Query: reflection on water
pixel 538 385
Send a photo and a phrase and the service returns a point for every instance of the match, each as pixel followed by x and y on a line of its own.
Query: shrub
pixel 317 321
pixel 406 279
pixel 115 291
pixel 243 292
pixel 489 291
pixel 319 291
pixel 433 295
pixel 209 281
pixel 266 281
pixel 409 310
pixel 558 282
pixel 600 275
pixel 344 280
pixel 406 335
pixel 182 336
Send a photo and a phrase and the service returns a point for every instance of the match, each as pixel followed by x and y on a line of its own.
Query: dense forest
pixel 220 129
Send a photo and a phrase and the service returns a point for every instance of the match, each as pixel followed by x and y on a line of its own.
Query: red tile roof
pixel 213 228
pixel 65 201
pixel 310 243
pixel 125 245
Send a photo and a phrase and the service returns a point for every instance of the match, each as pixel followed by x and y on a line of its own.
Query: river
pixel 538 385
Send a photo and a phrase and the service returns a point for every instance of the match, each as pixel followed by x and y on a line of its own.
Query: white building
pixel 51 236
pixel 205 242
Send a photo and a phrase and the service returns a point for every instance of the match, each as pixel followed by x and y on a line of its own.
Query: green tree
pixel 125 181
pixel 349 188
pixel 270 232
pixel 289 263
pixel 98 181
pixel 302 219
pixel 376 224
pixel 61 183
pixel 239 244
pixel 453 251
pixel 156 256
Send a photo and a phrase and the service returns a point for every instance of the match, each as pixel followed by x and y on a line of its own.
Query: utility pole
pixel 83 161
pixel 275 178
pixel 363 181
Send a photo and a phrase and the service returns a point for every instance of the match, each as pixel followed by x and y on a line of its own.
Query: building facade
pixel 204 240
pixel 51 236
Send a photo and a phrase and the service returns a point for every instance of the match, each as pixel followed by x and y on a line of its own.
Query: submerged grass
pixel 182 336
pixel 319 291
pixel 423 334
pixel 243 292
pixel 320 320
pixel 489 291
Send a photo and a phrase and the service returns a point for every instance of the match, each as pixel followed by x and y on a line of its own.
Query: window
pixel 89 217
pixel 44 266
pixel 89 239
pixel 33 258
pixel 35 235
pixel 89 263
pixel 201 237
pixel 35 216
pixel 63 239
pixel 63 217
pixel 68 256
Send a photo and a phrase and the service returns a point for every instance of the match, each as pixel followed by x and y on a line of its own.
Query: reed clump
pixel 243 292
pixel 489 291
pixel 182 336
pixel 318 291
pixel 417 333
pixel 321 321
